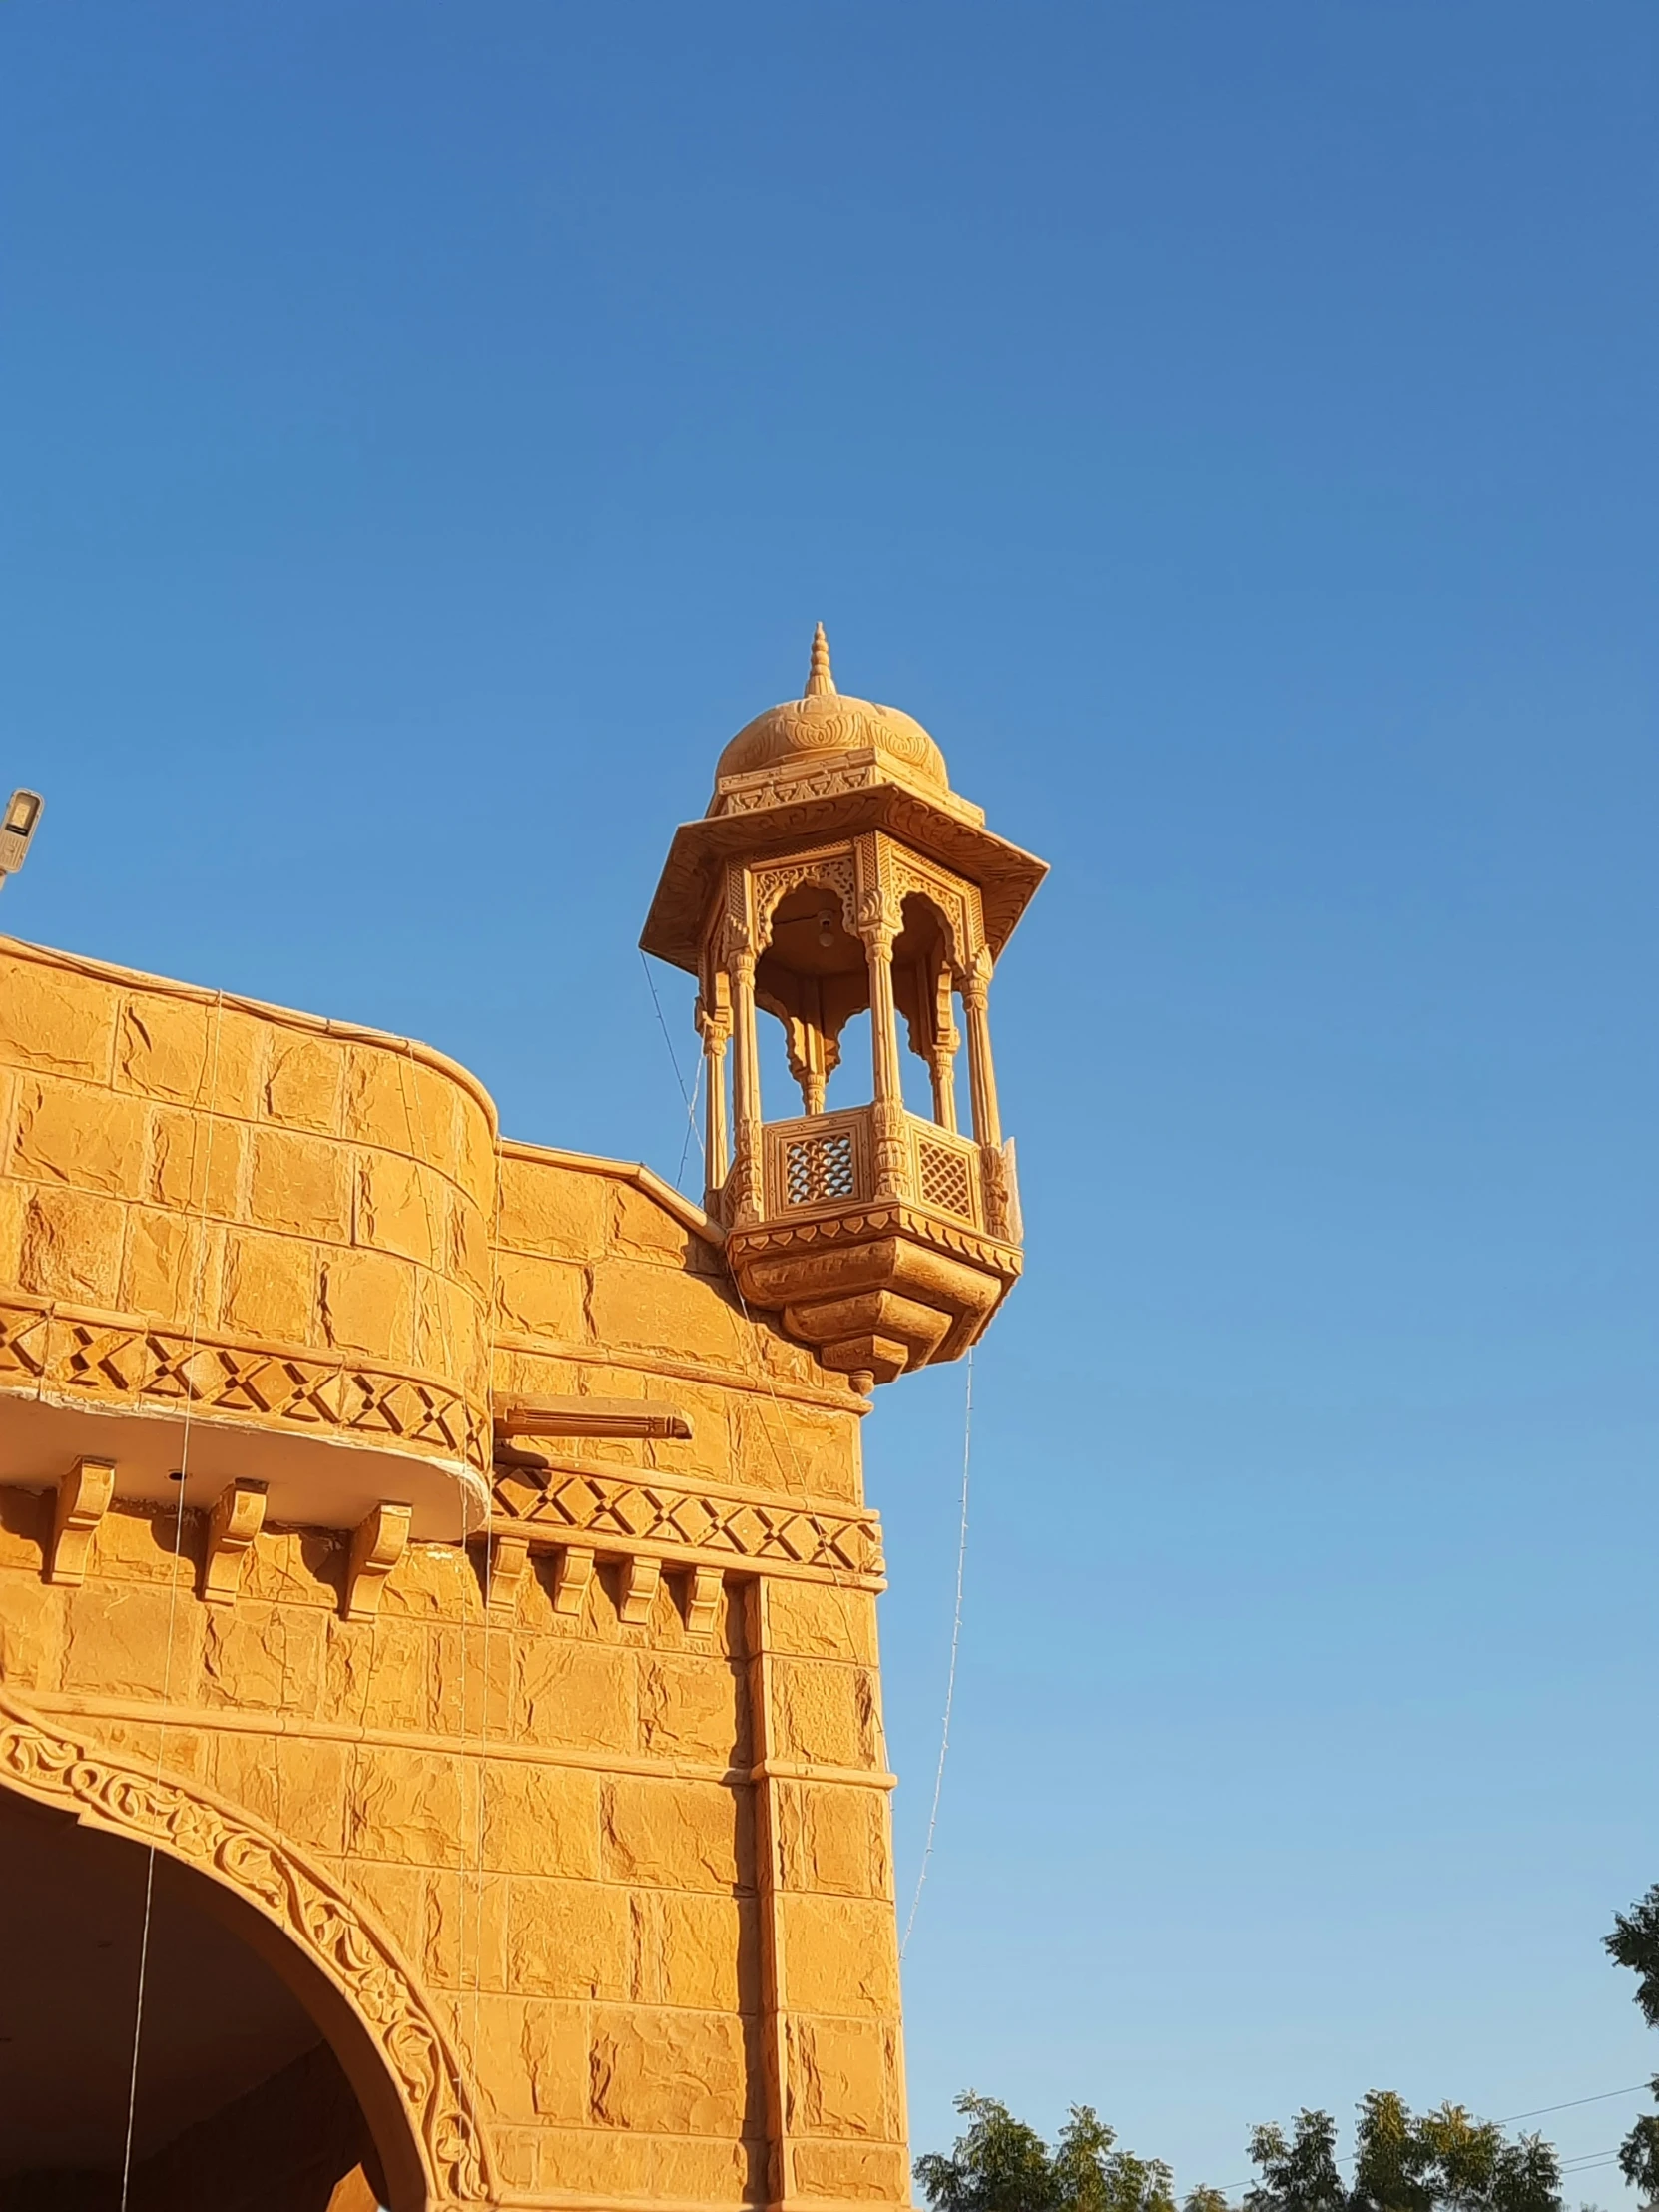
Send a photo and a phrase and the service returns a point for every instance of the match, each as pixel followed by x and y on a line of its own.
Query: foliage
pixel 1444 2161
pixel 1634 1943
pixel 1300 2175
pixel 1440 2161
pixel 1000 2164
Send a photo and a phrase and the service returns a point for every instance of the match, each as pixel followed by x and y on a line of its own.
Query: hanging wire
pixel 416 1123
pixel 950 1678
pixel 173 1588
pixel 687 1098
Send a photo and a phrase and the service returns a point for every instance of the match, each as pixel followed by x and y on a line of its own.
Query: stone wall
pixel 197 1169
pixel 556 1818
pixel 626 1830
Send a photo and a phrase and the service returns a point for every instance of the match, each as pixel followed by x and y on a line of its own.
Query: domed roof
pixel 825 721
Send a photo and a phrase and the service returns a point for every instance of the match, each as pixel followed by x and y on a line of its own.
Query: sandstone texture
pixel 598 1784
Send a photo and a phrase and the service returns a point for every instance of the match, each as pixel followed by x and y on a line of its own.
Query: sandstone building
pixel 440 1744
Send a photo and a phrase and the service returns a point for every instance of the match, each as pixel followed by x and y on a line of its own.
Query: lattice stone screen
pixel 946 1178
pixel 816 1169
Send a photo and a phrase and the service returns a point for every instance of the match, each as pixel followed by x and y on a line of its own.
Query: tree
pixel 1440 2161
pixel 1444 2161
pixel 1634 1943
pixel 1300 2175
pixel 1095 2176
pixel 998 2164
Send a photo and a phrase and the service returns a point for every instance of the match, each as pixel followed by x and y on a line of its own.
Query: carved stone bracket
pixel 84 1497
pixel 509 1556
pixel 703 1600
pixel 641 1575
pixel 572 1578
pixel 378 1544
pixel 237 1518
pixel 73 1774
pixel 592 1417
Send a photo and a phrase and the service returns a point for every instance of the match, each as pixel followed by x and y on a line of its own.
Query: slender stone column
pixel 744 1179
pixel 942 1065
pixel 987 1125
pixel 717 1032
pixel 887 1113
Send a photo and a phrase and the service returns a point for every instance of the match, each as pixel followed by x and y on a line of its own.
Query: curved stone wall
pixel 280 1221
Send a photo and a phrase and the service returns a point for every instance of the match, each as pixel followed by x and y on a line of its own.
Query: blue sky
pixel 430 432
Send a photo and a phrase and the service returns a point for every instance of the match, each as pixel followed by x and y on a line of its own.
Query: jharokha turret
pixel 834 873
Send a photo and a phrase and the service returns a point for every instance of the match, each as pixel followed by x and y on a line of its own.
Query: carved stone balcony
pixel 886 1241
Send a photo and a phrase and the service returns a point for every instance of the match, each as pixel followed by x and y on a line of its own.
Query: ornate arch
pixel 829 872
pixel 71 1773
pixel 947 900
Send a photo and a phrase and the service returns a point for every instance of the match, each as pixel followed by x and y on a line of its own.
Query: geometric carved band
pixel 608 1512
pixel 192 1824
pixel 115 1359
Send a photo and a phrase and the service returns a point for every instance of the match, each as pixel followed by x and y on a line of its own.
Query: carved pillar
pixel 887 1113
pixel 744 1182
pixel 988 1124
pixel 941 1062
pixel 943 1045
pixel 716 1026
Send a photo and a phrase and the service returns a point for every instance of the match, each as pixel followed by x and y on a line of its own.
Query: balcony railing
pixel 822 1163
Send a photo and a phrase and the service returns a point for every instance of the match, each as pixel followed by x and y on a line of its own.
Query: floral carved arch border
pixel 204 1832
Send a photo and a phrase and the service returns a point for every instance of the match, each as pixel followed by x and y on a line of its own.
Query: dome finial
pixel 818 678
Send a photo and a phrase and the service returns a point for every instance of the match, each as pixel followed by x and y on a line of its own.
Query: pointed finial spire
pixel 818 678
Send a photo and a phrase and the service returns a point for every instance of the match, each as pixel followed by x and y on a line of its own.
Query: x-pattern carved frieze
pixel 594 1506
pixel 118 1362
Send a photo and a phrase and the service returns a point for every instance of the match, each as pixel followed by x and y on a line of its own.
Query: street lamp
pixel 22 818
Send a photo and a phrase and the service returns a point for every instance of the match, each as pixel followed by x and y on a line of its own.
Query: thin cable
pixel 687 1098
pixel 1539 2110
pixel 955 1647
pixel 691 1129
pixel 416 1123
pixel 173 1586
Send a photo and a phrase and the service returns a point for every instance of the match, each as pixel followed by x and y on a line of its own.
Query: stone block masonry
pixel 622 1835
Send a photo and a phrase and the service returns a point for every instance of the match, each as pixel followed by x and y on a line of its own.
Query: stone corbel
pixel 703 1600
pixel 509 1558
pixel 84 1497
pixel 572 1578
pixel 591 1417
pixel 640 1577
pixel 378 1544
pixel 237 1518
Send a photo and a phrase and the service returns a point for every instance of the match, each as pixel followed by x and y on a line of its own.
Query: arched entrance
pixel 274 2009
pixel 239 2103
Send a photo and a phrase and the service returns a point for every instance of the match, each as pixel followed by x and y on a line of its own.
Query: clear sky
pixel 430 431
